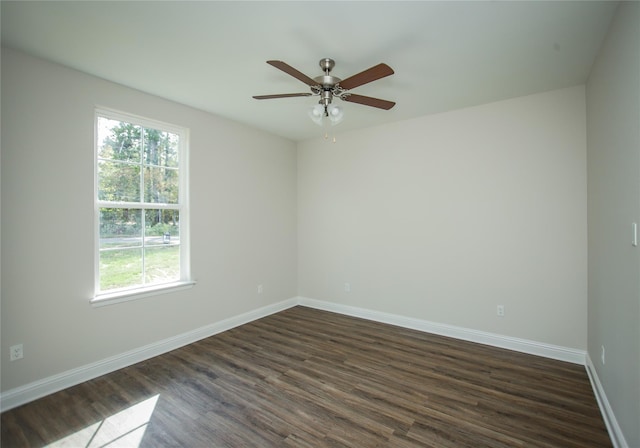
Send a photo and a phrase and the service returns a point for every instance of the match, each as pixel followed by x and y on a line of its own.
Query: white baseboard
pixel 615 433
pixel 32 391
pixel 496 340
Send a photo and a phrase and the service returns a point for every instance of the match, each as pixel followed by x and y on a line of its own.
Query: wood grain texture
pixel 310 378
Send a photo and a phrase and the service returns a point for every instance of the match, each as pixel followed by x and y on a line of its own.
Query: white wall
pixel 243 222
pixel 446 216
pixel 613 135
pixel 439 218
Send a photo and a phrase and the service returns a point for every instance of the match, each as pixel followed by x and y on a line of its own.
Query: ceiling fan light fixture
pixel 328 87
pixel 316 113
pixel 335 113
pixel 320 114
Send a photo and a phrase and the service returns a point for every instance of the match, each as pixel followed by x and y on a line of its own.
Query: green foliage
pixel 138 165
pixel 161 229
pixel 126 152
pixel 120 268
pixel 166 219
pixel 123 268
pixel 163 264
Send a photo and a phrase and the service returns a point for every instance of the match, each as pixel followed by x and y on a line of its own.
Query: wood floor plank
pixel 309 378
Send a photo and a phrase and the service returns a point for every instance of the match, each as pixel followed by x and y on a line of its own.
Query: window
pixel 141 206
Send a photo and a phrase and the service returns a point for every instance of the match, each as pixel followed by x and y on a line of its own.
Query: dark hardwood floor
pixel 309 378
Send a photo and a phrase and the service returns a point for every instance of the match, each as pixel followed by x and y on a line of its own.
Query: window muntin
pixel 140 203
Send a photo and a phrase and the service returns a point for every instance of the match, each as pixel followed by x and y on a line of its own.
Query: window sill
pixel 139 293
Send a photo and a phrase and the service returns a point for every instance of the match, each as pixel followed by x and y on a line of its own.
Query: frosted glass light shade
pixel 335 114
pixel 315 113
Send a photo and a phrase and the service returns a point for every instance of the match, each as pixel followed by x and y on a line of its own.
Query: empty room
pixel 314 224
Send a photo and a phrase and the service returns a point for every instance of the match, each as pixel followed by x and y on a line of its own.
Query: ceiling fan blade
pixel 369 101
pixel 371 74
pixel 293 72
pixel 281 95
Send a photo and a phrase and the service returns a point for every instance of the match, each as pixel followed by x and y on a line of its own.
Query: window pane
pixel 161 148
pixel 118 181
pixel 162 264
pixel 120 227
pixel 120 268
pixel 137 167
pixel 161 185
pixel 162 227
pixel 118 140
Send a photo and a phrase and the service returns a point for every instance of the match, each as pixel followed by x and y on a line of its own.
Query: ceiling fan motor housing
pixel 327 81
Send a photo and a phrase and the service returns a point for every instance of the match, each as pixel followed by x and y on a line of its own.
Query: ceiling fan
pixel 327 86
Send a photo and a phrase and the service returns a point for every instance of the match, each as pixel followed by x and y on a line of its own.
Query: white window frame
pixel 108 297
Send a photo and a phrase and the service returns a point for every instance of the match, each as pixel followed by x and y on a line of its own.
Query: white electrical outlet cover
pixel 16 352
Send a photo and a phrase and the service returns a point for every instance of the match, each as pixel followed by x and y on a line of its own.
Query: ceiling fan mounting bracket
pixel 327 64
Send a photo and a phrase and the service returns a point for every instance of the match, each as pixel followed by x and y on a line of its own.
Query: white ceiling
pixel 211 54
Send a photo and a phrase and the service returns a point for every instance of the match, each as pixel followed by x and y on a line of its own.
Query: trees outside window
pixel 141 202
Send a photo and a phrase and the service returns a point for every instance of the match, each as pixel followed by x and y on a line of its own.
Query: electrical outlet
pixel 259 289
pixel 16 352
pixel 500 310
pixel 602 355
pixel 347 287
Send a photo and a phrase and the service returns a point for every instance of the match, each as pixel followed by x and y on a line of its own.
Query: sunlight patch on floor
pixel 124 429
